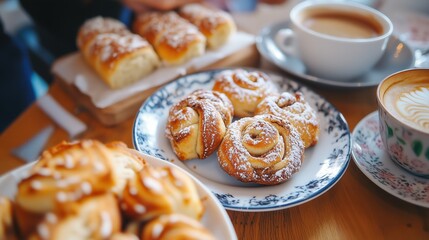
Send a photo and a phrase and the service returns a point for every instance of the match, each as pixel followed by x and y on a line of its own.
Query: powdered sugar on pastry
pixel 295 109
pixel 197 124
pixel 244 89
pixel 263 149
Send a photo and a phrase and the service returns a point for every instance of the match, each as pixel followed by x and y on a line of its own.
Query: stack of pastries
pixel 90 190
pixel 266 142
pixel 121 57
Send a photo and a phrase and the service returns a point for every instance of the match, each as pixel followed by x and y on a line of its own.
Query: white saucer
pixel 398 56
pixel 369 155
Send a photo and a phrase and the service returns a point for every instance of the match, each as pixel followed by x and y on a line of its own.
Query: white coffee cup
pixel 336 40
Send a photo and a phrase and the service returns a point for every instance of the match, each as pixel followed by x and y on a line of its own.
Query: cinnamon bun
pixel 244 88
pixel 263 149
pixel 197 124
pixel 295 109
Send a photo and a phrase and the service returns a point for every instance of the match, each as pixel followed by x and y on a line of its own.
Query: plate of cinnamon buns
pixel 257 140
pixel 91 190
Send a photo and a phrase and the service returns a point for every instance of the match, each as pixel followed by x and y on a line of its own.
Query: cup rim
pixel 380 16
pixel 383 106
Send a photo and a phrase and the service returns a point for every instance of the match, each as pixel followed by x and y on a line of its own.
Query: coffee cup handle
pixel 285 40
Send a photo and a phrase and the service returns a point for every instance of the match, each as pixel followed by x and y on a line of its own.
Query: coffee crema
pixel 409 102
pixel 343 24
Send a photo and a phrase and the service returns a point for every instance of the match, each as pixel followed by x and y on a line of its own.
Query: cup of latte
pixel 336 40
pixel 403 105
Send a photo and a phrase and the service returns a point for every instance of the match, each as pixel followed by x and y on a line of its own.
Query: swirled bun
pixel 175 39
pixel 216 25
pixel 196 124
pixel 245 89
pixel 263 149
pixel 175 226
pixel 160 190
pixel 295 109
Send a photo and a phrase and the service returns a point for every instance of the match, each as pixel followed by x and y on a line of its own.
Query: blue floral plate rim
pixel 369 155
pixel 331 155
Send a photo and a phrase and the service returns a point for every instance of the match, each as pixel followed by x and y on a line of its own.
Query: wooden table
pixel 355 208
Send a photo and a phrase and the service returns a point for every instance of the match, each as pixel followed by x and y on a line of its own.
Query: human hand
pixel 143 5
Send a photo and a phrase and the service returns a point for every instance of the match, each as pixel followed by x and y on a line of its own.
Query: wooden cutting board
pixel 120 111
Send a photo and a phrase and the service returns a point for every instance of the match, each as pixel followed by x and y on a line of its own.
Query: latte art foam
pixel 414 106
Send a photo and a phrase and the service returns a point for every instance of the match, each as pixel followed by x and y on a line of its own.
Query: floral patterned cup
pixel 403 105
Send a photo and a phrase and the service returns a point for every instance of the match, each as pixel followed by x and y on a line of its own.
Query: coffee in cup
pixel 403 100
pixel 337 40
pixel 342 24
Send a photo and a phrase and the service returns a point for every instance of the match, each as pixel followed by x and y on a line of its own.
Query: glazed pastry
pixel 7 225
pixel 197 124
pixel 114 53
pixel 124 236
pixel 216 25
pixel 96 218
pixel 295 109
pixel 244 89
pixel 160 190
pixel 126 162
pixel 263 149
pixel 66 173
pixel 175 39
pixel 175 226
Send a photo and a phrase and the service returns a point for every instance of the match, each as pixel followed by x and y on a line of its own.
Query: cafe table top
pixel 354 208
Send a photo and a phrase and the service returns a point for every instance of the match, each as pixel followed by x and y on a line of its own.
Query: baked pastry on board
pixel 175 39
pixel 118 56
pixel 216 25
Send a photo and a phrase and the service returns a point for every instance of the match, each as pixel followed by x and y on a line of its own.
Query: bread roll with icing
pixel 175 226
pixel 160 190
pixel 196 124
pixel 7 224
pixel 245 89
pixel 66 173
pixel 93 27
pixel 216 25
pixel 295 109
pixel 117 56
pixel 263 149
pixel 175 39
pixel 126 163
pixel 91 218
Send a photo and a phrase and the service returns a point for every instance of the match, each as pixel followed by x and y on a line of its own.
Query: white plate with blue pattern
pixel 371 158
pixel 324 164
